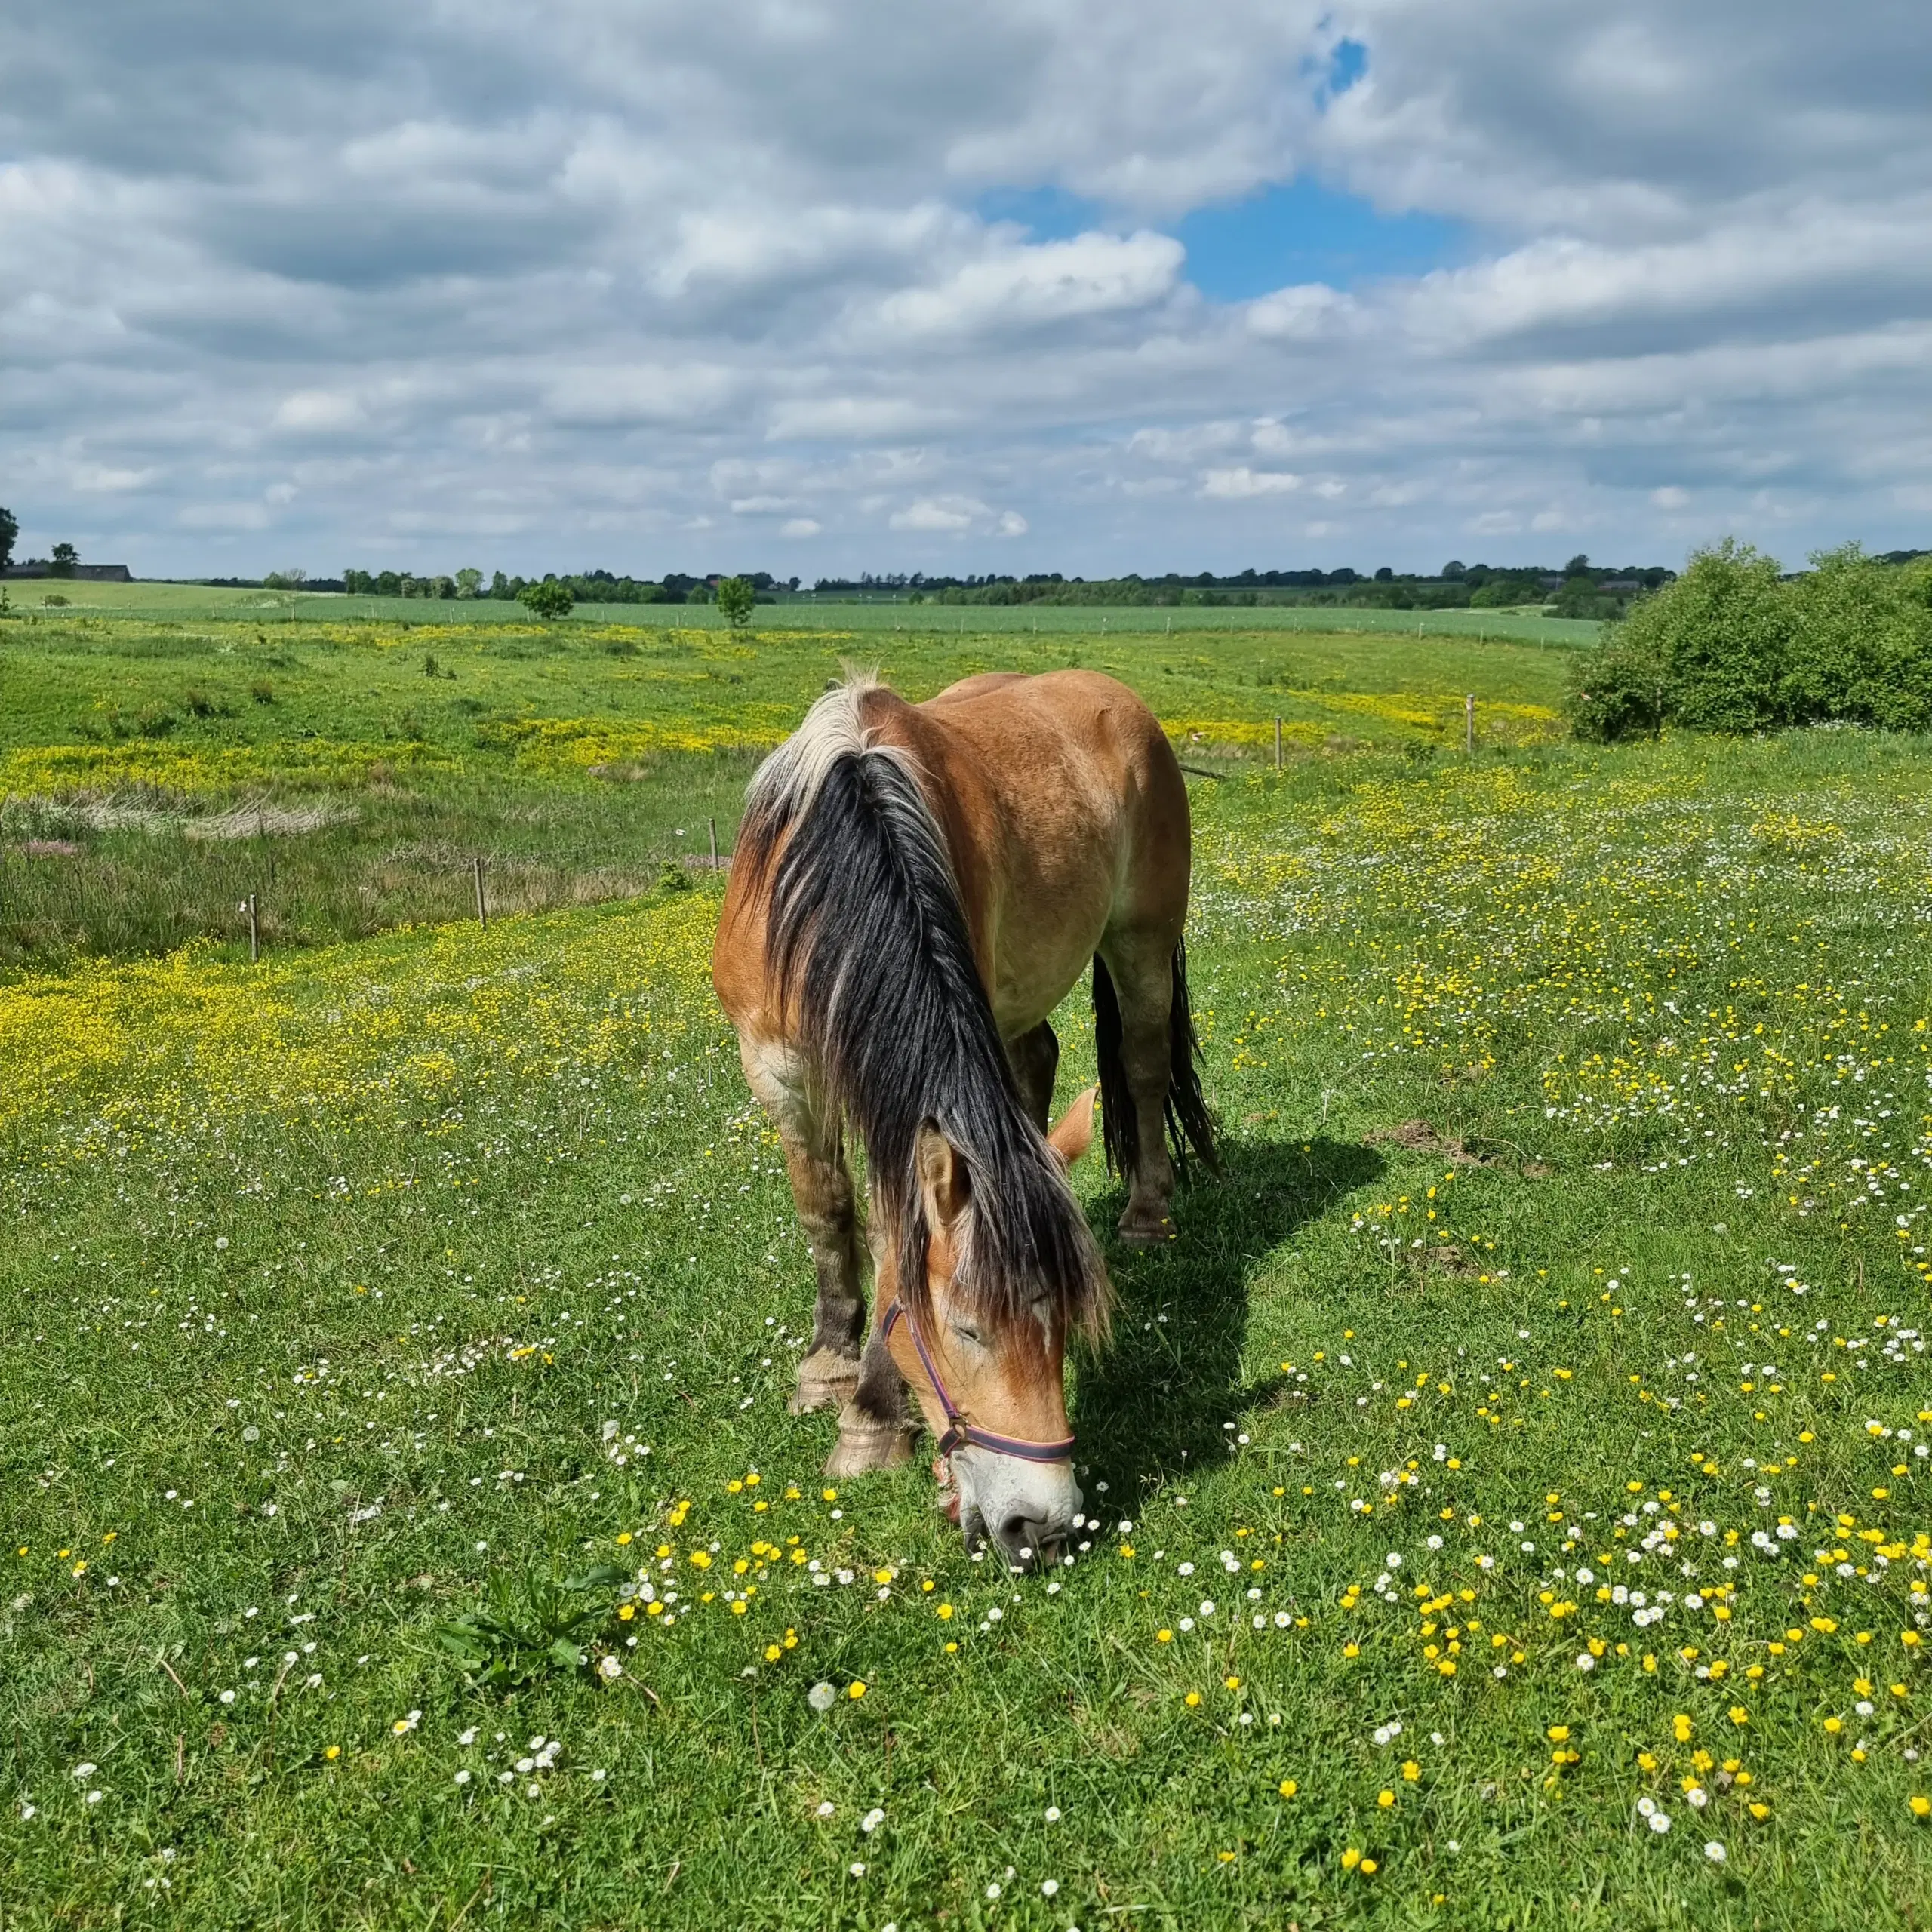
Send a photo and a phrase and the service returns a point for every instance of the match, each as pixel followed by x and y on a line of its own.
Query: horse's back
pixel 1068 785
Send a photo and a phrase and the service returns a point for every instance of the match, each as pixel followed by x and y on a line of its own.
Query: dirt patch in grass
pixel 1418 1136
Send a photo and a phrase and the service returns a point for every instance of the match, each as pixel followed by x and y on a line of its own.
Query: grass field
pixel 155 773
pixel 1513 1482
pixel 193 603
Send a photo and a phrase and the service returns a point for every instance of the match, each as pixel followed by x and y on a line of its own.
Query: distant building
pixel 81 572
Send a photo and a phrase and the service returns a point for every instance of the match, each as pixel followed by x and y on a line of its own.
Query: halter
pixel 958 1429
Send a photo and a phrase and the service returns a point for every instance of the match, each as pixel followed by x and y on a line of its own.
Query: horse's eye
pixel 966 1332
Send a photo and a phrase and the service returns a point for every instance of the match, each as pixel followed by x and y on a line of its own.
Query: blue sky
pixel 1298 231
pixel 704 284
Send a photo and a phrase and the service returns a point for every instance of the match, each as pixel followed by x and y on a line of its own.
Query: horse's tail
pixel 1190 1125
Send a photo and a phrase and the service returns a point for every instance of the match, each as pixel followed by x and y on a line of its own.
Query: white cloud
pixel 1243 481
pixel 854 419
pixel 950 513
pixel 562 284
pixel 641 393
pixel 1305 313
pixel 99 479
pixel 1012 287
pixel 319 410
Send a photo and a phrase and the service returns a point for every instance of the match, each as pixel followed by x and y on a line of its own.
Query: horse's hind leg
pixel 821 1191
pixel 1134 1044
pixel 1035 1058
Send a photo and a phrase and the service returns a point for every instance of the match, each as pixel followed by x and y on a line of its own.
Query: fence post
pixel 254 940
pixel 1277 743
pixel 476 875
pixel 713 823
pixel 1469 722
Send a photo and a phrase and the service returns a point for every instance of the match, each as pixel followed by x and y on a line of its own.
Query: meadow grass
pixel 189 602
pixel 153 775
pixel 1521 1444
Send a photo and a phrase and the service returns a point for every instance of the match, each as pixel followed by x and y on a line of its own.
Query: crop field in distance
pixel 1510 1494
pixel 874 611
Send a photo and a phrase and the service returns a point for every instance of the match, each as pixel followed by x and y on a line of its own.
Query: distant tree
pixel 469 582
pixel 1384 574
pixel 65 557
pixel 388 584
pixel 1578 566
pixel 10 531
pixel 443 586
pixel 1454 571
pixel 736 595
pixel 547 599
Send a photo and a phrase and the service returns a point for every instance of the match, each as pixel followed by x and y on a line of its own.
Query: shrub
pixel 262 691
pixel 1730 646
pixel 547 599
pixel 1620 690
pixel 1722 628
pixel 736 595
pixel 1500 593
pixel 1861 643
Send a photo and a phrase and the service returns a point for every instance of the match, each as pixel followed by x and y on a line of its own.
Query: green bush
pixel 736 595
pixel 1620 690
pixel 1503 593
pixel 1861 643
pixel 1732 646
pixel 547 599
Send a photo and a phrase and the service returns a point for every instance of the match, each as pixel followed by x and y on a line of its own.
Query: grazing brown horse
pixel 916 888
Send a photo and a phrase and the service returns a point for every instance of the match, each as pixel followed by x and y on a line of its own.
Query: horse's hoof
pixel 825 1381
pixel 1141 1233
pixel 864 1448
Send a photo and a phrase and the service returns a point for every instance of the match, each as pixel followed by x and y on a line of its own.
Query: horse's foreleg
pixel 1143 974
pixel 878 1427
pixel 1035 1058
pixel 821 1191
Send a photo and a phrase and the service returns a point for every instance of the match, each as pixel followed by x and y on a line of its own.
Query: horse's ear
pixel 1074 1132
pixel 942 1178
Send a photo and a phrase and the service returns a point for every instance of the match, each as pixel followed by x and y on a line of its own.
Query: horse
pixel 916 888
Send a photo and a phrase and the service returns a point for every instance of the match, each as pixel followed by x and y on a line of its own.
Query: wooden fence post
pixel 254 939
pixel 1277 743
pixel 713 823
pixel 476 875
pixel 1469 722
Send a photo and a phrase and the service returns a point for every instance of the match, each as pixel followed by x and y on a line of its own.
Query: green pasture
pixel 1510 1502
pixel 189 602
pixel 154 774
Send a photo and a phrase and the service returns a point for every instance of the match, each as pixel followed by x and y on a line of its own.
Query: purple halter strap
pixel 958 1429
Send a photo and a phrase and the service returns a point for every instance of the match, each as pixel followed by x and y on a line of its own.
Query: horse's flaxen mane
pixel 867 940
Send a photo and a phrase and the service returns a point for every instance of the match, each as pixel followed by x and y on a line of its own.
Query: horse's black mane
pixel 866 933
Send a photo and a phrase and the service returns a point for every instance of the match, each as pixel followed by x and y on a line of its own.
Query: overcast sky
pixel 816 286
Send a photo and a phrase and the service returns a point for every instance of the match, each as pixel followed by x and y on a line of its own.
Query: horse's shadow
pixel 1153 1403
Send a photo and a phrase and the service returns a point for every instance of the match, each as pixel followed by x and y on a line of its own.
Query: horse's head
pixel 991 1385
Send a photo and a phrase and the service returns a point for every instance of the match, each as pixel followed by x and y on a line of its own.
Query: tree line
pixel 597 586
pixel 1581 588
